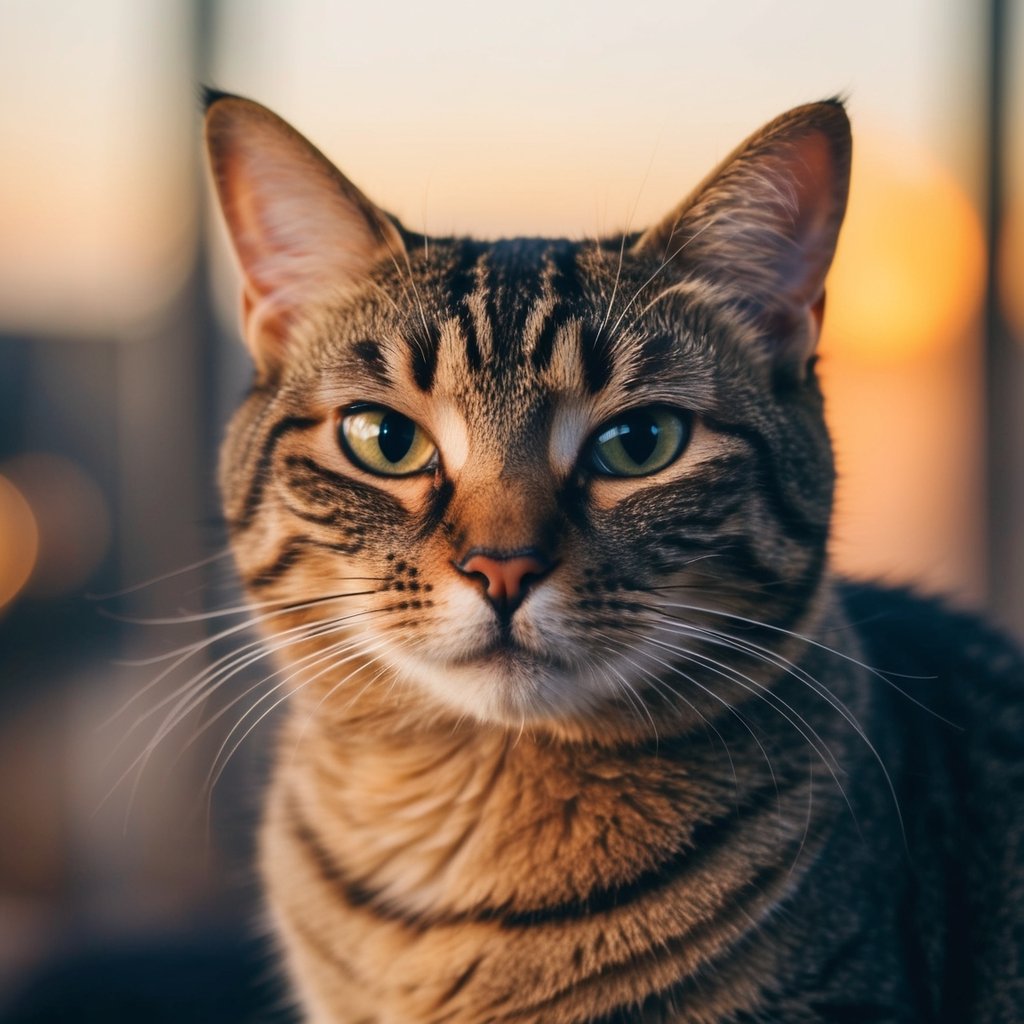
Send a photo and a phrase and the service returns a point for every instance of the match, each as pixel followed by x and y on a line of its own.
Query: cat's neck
pixel 442 817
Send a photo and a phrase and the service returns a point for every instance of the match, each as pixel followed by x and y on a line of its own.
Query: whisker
pixel 232 664
pixel 631 694
pixel 772 657
pixel 134 588
pixel 814 741
pixel 215 771
pixel 223 664
pixel 622 243
pixel 821 690
pixel 807 819
pixel 385 294
pixel 194 695
pixel 330 693
pixel 183 654
pixel 728 672
pixel 884 676
pixel 721 700
pixel 412 281
pixel 281 604
pixel 658 271
pixel 615 285
pixel 699 633
pixel 657 682
pixel 326 629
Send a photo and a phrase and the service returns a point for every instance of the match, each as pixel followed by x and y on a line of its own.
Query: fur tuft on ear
pixel 763 226
pixel 208 95
pixel 302 231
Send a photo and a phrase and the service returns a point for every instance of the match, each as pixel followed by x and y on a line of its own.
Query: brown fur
pixel 667 786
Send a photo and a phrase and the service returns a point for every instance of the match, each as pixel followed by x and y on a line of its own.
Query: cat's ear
pixel 302 231
pixel 762 228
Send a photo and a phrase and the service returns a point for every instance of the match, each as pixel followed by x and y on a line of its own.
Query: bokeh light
pixel 909 271
pixel 19 541
pixel 71 518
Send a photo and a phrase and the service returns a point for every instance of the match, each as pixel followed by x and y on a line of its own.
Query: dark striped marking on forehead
pixel 491 288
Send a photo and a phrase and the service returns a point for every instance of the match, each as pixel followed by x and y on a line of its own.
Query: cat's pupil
pixel 395 436
pixel 638 435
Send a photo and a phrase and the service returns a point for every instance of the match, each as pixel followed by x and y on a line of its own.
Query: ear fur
pixel 301 230
pixel 763 226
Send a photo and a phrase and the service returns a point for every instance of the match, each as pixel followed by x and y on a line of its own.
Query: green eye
pixel 639 442
pixel 385 442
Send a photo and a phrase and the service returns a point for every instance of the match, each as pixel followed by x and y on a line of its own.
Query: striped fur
pixel 668 787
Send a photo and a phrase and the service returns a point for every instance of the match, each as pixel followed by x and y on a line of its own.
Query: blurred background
pixel 119 364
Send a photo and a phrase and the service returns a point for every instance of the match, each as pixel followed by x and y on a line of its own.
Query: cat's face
pixel 497 472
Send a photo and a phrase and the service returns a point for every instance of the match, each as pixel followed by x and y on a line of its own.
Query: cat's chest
pixel 471 824
pixel 493 874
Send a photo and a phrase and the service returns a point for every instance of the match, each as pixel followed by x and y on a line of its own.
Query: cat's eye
pixel 639 442
pixel 385 442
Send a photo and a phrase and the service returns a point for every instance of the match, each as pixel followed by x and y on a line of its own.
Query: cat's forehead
pixel 506 331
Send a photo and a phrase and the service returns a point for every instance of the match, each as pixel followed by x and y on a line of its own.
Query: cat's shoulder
pixel 899 619
pixel 954 739
pixel 927 646
pixel 886 614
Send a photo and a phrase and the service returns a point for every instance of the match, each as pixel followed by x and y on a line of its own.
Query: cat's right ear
pixel 302 231
pixel 762 228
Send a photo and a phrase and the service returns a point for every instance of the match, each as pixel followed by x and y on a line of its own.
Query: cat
pixel 583 728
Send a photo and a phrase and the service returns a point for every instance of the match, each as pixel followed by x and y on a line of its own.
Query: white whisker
pixel 658 271
pixel 135 587
pixel 197 690
pixel 183 654
pixel 771 657
pixel 328 655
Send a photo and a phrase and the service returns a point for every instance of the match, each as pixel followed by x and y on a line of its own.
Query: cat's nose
pixel 507 576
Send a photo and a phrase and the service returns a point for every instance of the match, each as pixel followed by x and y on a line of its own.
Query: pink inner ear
pixel 264 325
pixel 298 235
pixel 812 170
pixel 303 233
pixel 267 261
pixel 253 233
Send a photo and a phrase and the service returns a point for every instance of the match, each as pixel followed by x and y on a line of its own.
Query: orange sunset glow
pixel 908 275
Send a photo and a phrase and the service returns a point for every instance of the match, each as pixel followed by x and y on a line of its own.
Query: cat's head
pixel 531 480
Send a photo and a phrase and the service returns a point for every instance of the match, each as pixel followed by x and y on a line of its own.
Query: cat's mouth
pixel 505 650
pixel 505 676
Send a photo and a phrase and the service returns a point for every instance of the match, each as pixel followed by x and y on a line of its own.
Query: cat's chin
pixel 506 684
pixel 506 654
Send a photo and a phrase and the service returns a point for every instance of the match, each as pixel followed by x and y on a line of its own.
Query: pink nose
pixel 508 577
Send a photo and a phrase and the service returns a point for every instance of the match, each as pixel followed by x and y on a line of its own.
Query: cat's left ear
pixel 302 231
pixel 762 228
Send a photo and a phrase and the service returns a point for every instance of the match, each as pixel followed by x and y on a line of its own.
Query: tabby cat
pixel 582 726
